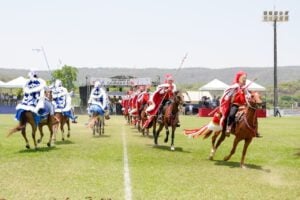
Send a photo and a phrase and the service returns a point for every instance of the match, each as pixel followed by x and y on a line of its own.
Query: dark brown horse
pixel 245 128
pixel 170 118
pixel 28 118
pixel 144 117
pixel 62 121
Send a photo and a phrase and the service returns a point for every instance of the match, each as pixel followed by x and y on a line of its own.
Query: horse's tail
pixel 92 122
pixel 15 129
pixel 20 126
pixel 204 131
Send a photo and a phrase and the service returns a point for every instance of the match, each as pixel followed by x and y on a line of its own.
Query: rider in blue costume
pixel 98 100
pixel 62 100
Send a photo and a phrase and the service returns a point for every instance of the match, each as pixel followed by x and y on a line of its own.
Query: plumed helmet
pixel 32 74
pixel 58 83
pixel 238 76
pixel 169 77
pixel 97 84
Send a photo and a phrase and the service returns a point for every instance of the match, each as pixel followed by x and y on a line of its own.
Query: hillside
pixel 184 76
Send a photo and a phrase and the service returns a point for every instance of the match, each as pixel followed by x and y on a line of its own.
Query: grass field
pixel 87 167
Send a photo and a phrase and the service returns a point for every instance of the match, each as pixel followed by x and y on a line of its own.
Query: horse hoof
pixel 49 144
pixel 63 139
pixel 172 148
pixel 166 140
pixel 243 167
pixel 68 135
pixel 27 146
pixel 226 158
pixel 39 141
pixel 210 158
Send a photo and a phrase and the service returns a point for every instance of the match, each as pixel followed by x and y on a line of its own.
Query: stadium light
pixel 275 16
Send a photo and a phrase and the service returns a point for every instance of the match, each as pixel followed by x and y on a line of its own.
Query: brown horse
pixel 170 118
pixel 28 118
pixel 62 121
pixel 144 117
pixel 245 128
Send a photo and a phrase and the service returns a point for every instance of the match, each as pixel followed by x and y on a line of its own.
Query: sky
pixel 146 33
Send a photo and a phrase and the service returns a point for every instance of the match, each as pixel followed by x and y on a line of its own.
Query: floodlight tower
pixel 275 16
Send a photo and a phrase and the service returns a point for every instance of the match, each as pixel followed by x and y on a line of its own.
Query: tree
pixel 67 75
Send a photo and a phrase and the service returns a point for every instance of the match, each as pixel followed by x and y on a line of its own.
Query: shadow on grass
pixel 297 154
pixel 168 148
pixel 39 149
pixel 64 142
pixel 101 136
pixel 233 164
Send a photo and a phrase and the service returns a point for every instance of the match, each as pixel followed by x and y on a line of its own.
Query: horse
pixel 245 128
pixel 96 119
pixel 63 119
pixel 27 117
pixel 170 118
pixel 144 117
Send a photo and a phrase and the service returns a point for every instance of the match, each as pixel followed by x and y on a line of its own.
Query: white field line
pixel 127 182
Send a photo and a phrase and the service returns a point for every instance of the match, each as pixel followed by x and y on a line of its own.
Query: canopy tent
pixel 15 83
pixel 195 96
pixel 2 83
pixel 254 86
pixel 214 85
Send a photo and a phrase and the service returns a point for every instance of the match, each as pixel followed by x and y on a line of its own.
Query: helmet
pixel 238 76
pixel 168 77
pixel 58 83
pixel 97 84
pixel 32 74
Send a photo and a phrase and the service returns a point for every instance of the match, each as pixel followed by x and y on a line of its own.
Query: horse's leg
pixel 50 126
pixel 25 138
pixel 235 143
pixel 41 134
pixel 246 144
pixel 167 133
pixel 221 139
pixel 102 124
pixel 62 130
pixel 213 148
pixel 69 129
pixel 34 128
pixel 173 137
pixel 156 133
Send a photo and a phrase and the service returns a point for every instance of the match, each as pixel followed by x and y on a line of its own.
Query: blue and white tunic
pixel 61 99
pixel 98 100
pixel 34 94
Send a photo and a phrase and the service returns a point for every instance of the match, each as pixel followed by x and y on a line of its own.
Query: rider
pixel 34 96
pixel 99 97
pixel 166 91
pixel 62 100
pixel 233 98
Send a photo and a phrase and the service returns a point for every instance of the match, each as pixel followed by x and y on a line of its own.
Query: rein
pixel 252 128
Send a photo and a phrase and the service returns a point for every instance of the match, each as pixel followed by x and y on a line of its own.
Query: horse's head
pixel 178 98
pixel 254 100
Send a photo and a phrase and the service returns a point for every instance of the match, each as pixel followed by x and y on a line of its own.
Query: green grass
pixel 85 166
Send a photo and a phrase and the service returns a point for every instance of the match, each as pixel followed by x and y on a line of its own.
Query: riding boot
pixel 159 118
pixel 74 120
pixel 228 131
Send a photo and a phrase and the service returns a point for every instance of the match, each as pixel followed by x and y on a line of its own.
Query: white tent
pixel 214 85
pixel 2 83
pixel 15 83
pixel 254 86
pixel 195 96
